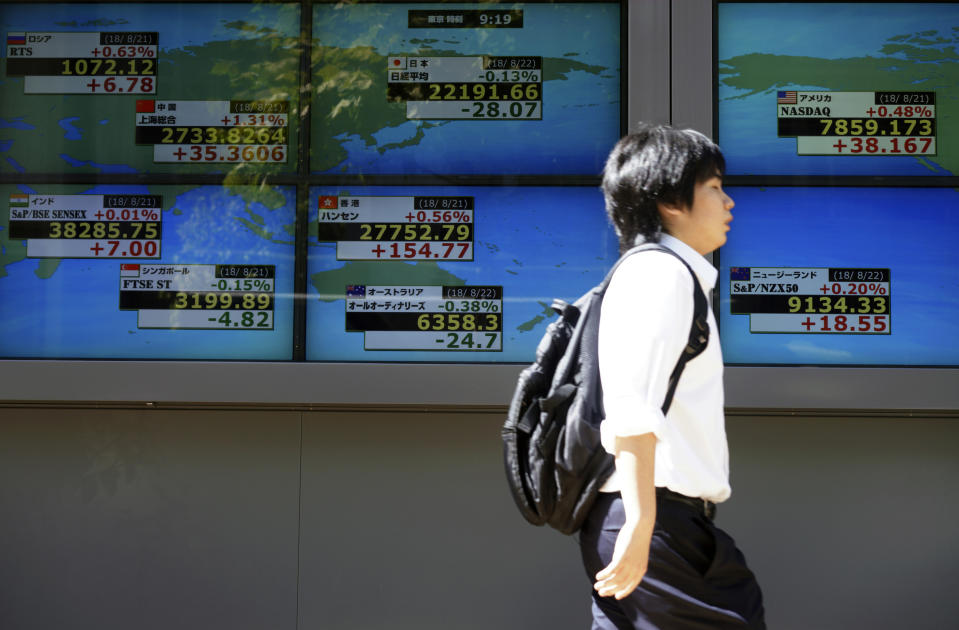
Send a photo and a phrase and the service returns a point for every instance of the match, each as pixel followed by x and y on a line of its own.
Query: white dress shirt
pixel 644 326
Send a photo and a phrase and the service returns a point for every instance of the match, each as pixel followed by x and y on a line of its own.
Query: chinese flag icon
pixel 328 202
pixel 146 107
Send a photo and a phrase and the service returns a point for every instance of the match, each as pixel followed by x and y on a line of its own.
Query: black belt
pixel 704 507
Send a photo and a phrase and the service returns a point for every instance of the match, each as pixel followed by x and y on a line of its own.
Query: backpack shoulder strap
pixel 699 328
pixel 698 335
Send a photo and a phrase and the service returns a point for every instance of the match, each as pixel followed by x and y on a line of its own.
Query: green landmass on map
pixel 349 98
pixel 922 57
pixel 261 68
pixel 12 252
pixel 46 267
pixel 257 219
pixel 331 285
pixel 547 313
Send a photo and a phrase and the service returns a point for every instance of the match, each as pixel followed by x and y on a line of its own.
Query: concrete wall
pixel 395 519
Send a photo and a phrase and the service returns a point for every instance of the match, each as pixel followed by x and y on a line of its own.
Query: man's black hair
pixel 655 164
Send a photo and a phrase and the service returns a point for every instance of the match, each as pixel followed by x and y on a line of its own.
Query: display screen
pixel 149 88
pixel 838 88
pixel 447 273
pixel 465 88
pixel 840 276
pixel 165 272
pixel 836 115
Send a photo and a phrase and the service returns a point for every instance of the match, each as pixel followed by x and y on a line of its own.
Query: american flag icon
pixel 787 97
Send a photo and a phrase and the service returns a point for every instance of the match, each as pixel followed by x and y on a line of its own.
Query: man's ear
pixel 668 213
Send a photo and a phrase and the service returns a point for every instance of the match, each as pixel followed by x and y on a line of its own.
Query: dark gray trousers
pixel 696 580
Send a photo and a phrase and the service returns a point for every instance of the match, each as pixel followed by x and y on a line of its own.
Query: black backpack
pixel 555 463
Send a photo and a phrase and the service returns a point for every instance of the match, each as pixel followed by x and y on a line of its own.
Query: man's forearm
pixel 635 469
pixel 635 458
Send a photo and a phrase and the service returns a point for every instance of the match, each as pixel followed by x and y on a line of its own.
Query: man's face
pixel 703 226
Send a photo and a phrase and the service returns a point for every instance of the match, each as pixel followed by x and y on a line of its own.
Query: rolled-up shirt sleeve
pixel 644 326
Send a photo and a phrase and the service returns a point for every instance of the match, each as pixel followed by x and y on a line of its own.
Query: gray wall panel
pixel 408 524
pixel 848 523
pixel 148 519
pixel 188 519
pixel 648 62
pixel 691 26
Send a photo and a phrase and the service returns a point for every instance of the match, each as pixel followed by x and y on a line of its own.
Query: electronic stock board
pixel 156 178
pixel 838 122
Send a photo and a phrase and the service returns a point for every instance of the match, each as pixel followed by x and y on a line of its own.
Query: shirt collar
pixel 705 271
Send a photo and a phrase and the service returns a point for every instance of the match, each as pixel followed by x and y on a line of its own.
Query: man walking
pixel 649 543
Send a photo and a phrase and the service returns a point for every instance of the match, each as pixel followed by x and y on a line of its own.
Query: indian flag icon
pixel 19 200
